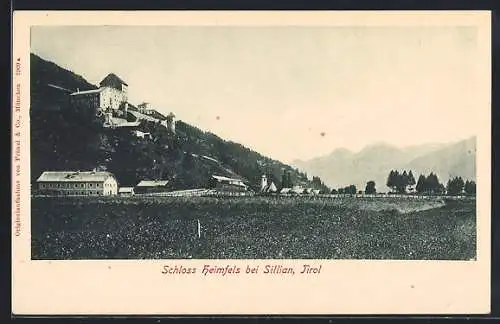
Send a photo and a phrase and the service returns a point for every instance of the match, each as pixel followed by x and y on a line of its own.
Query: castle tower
pixel 263 182
pixel 115 82
pixel 171 122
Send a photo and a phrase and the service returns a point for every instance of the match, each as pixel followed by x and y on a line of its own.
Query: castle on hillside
pixel 111 100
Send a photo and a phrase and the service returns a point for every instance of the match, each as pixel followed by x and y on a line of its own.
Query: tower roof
pixel 112 80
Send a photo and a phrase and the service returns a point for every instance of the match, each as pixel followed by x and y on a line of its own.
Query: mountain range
pixel 374 162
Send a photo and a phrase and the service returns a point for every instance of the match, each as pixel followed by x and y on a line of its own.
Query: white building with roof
pixel 145 108
pixel 126 191
pixel 150 186
pixel 227 184
pixel 111 94
pixel 269 188
pixel 76 183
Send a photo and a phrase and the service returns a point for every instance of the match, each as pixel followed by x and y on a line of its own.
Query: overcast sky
pixel 288 92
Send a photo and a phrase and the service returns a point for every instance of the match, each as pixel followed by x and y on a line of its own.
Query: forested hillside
pixel 63 138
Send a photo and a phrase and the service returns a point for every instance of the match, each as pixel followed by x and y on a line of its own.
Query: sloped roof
pixel 234 181
pixel 59 88
pixel 298 189
pixel 138 115
pixel 126 189
pixel 74 176
pixel 128 124
pixel 152 183
pixel 113 78
pixel 270 188
pixel 86 92
pixel 131 105
pixel 221 178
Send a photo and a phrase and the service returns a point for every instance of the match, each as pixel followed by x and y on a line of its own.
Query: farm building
pixel 150 186
pixel 227 184
pixel 126 191
pixel 76 183
pixel 297 190
pixel 286 191
pixel 310 191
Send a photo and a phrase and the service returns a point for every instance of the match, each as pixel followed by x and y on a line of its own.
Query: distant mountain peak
pixel 341 151
pixel 379 146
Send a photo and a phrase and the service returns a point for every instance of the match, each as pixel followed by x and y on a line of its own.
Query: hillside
pixel 374 162
pixel 63 138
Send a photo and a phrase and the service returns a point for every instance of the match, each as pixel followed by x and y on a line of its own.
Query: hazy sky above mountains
pixel 288 92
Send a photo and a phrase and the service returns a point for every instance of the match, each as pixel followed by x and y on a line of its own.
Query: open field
pixel 252 228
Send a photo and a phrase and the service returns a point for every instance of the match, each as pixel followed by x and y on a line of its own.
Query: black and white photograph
pixel 282 162
pixel 166 142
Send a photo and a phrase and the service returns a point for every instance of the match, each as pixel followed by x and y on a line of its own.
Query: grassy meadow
pixel 252 228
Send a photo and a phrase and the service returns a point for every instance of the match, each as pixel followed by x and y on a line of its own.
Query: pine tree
pixel 405 180
pixel 432 184
pixel 470 187
pixel 455 186
pixel 421 183
pixel 391 180
pixel 411 179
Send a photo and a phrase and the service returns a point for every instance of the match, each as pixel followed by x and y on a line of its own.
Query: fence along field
pixel 253 227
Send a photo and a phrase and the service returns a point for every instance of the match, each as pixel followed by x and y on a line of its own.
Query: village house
pixel 76 183
pixel 227 184
pixel 297 189
pixel 151 186
pixel 285 191
pixel 126 191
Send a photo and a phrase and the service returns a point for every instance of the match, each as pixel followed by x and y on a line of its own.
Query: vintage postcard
pixel 173 163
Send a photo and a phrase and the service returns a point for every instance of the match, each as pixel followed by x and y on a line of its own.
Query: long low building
pixel 151 186
pixel 76 183
pixel 227 184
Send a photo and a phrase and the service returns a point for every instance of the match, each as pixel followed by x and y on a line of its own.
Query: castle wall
pixel 112 98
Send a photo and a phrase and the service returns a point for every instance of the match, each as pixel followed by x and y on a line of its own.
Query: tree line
pixel 404 182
